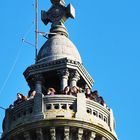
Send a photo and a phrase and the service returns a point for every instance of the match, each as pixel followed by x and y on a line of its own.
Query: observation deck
pixel 59 112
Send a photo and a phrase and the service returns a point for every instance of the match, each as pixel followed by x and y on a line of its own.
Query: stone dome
pixel 58 47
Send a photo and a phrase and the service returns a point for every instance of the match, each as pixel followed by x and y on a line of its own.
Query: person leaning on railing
pixel 20 98
pixel 100 100
pixel 88 93
pixel 66 90
pixel 51 91
pixel 74 90
pixel 94 95
pixel 31 94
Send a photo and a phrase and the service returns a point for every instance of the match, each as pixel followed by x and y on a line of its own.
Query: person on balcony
pixel 88 93
pixel 20 98
pixel 51 91
pixel 100 100
pixel 74 90
pixel 31 94
pixel 66 90
pixel 94 95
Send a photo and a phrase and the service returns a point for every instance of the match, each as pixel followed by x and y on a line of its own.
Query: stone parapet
pixel 61 107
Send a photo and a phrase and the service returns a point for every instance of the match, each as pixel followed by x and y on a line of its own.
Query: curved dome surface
pixel 58 47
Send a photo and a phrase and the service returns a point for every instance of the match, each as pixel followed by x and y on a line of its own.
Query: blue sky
pixel 107 35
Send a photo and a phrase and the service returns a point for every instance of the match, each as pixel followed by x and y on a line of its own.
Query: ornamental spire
pixel 57 15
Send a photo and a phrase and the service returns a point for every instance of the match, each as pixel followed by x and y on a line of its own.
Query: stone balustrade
pixel 60 107
pixel 18 114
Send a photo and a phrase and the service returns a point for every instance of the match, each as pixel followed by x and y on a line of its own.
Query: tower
pixel 60 116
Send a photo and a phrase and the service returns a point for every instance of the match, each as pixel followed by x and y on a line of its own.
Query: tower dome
pixel 58 47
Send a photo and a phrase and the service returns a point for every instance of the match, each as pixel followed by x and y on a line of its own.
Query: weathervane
pixel 57 15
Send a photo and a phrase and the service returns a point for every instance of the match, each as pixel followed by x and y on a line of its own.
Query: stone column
pixel 38 81
pixel 39 134
pixel 80 134
pixel 74 77
pixel 92 136
pixel 38 107
pixel 66 132
pixel 53 133
pixel 27 136
pixel 64 74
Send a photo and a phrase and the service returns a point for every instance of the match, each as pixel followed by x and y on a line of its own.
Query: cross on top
pixel 58 2
pixel 58 13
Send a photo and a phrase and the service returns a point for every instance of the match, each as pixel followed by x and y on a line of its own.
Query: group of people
pixel 92 95
pixel 31 94
pixel 21 98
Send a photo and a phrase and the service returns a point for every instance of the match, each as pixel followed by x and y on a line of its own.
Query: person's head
pixel 33 93
pixel 88 91
pixel 101 100
pixel 29 93
pixel 75 89
pixel 66 89
pixel 19 95
pixel 51 91
pixel 95 93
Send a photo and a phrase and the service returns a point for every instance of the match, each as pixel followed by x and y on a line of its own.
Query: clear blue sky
pixel 107 34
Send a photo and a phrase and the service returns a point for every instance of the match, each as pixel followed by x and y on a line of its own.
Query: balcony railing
pixel 60 106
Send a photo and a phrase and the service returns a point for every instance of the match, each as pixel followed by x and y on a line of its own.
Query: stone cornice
pixel 61 123
pixel 56 65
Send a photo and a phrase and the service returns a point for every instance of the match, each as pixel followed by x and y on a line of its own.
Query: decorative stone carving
pixel 57 15
pixel 66 133
pixel 74 77
pixel 52 133
pixel 80 134
pixel 64 74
